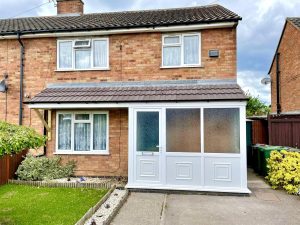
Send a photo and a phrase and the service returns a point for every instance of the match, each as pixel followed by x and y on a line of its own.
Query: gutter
pixel 92 32
pixel 22 52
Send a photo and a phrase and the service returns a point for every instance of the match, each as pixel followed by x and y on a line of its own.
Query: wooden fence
pixel 284 130
pixel 9 165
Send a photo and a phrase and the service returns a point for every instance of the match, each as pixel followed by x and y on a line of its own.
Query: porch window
pixel 83 54
pixel 221 130
pixel 183 130
pixel 82 132
pixel 181 50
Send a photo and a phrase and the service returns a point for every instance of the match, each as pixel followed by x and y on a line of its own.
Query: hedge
pixel 14 138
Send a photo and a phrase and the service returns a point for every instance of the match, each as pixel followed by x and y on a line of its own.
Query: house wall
pixel 289 50
pixel 139 59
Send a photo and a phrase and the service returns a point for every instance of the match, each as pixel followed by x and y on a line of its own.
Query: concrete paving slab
pixel 141 208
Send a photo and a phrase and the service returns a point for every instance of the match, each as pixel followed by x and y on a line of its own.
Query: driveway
pixel 264 206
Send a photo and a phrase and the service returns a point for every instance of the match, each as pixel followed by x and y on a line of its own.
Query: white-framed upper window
pixel 83 54
pixel 181 50
pixel 82 132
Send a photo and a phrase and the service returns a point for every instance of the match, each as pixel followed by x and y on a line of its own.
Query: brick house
pixel 285 68
pixel 284 126
pixel 150 94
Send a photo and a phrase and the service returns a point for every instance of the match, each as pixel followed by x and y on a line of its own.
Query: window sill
pixel 181 67
pixel 82 70
pixel 104 153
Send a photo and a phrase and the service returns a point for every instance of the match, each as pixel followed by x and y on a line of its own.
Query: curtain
pixel 64 131
pixel 65 54
pixel 171 56
pixel 82 136
pixel 100 53
pixel 100 130
pixel 83 59
pixel 191 49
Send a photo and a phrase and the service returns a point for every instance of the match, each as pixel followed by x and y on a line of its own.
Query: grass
pixel 20 204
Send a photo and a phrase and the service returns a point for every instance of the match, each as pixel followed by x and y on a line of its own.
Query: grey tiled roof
pixel 118 20
pixel 295 21
pixel 153 92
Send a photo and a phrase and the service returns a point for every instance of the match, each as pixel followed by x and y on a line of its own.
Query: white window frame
pixel 90 47
pixel 90 121
pixel 180 44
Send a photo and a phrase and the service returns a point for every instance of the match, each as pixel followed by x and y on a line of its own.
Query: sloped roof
pixel 140 92
pixel 118 20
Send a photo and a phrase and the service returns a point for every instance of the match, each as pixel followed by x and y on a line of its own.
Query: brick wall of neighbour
pixel 138 59
pixel 290 71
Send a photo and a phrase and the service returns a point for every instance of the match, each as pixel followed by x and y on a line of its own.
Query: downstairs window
pixel 82 133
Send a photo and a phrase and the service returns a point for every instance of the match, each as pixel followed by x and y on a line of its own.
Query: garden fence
pixel 9 165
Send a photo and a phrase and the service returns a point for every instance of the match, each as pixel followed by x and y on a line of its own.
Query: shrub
pixel 14 139
pixel 44 168
pixel 284 171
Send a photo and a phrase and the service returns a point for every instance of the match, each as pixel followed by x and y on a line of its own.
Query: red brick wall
pixel 140 59
pixel 70 6
pixel 289 50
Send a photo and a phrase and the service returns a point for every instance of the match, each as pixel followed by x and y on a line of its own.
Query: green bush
pixel 284 171
pixel 44 168
pixel 14 139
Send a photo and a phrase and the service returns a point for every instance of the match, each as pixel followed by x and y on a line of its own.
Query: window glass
pixel 82 59
pixel 82 116
pixel 183 130
pixel 100 53
pixel 191 49
pixel 171 56
pixel 221 130
pixel 172 40
pixel 64 131
pixel 147 131
pixel 82 136
pixel 65 54
pixel 100 131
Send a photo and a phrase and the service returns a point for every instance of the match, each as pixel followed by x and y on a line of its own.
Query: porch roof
pixel 151 91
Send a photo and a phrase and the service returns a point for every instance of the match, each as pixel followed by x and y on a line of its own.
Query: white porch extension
pixel 157 166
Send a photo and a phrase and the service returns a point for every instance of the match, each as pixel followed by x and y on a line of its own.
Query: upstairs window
pixel 83 54
pixel 181 50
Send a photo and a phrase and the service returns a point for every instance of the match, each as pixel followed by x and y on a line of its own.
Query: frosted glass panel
pixel 64 131
pixel 82 136
pixel 100 130
pixel 221 130
pixel 183 130
pixel 147 131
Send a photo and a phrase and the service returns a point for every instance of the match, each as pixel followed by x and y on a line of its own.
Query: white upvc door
pixel 147 146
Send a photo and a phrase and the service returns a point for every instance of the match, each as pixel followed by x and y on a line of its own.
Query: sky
pixel 258 33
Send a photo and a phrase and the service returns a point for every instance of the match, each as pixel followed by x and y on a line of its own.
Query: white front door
pixel 147 146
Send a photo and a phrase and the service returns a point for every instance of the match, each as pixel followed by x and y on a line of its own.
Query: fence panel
pixel 9 165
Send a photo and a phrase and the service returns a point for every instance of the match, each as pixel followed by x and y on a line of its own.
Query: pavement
pixel 264 206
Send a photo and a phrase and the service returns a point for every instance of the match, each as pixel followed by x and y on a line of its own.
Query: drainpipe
pixel 278 84
pixel 22 52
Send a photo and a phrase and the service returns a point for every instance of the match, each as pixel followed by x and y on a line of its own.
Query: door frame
pixel 161 145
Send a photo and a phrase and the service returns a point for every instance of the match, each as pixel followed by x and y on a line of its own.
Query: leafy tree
pixel 255 107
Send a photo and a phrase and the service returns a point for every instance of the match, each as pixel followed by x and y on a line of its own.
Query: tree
pixel 255 107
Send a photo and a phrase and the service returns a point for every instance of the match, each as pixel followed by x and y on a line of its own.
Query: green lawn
pixel 20 204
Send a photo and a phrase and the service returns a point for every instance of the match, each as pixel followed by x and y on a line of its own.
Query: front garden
pixel 21 204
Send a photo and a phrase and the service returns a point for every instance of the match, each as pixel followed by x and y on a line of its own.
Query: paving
pixel 264 206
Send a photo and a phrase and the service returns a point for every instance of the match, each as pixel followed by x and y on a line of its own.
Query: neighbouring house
pixel 149 94
pixel 284 121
